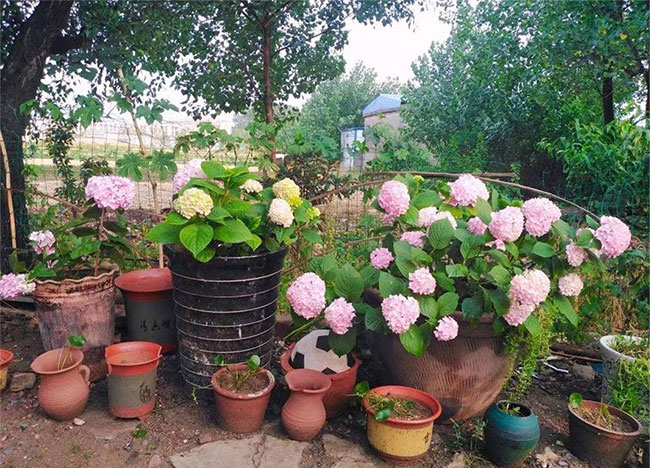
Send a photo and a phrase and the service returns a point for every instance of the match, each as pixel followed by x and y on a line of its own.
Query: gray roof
pixel 383 103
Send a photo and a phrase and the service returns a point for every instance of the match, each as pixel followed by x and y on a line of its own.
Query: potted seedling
pixel 600 434
pixel 63 391
pixel 400 420
pixel 616 348
pixel 242 393
pixel 511 432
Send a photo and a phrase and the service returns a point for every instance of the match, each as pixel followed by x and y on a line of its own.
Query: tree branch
pixel 64 44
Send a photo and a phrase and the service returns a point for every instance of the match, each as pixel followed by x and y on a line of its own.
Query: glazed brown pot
pixel 83 306
pixel 597 446
pixel 241 412
pixel 465 374
pixel 303 415
pixel 62 393
pixel 336 398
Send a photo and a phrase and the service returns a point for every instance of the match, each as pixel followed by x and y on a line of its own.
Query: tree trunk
pixel 608 99
pixel 38 38
pixel 268 89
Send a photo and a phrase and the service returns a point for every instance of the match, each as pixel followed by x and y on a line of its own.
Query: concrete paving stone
pixel 350 454
pixel 101 424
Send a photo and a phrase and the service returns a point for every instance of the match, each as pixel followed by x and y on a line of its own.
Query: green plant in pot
pixel 226 239
pixel 461 272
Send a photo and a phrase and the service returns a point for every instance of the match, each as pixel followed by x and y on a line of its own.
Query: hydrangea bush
pixel 458 251
pixel 221 211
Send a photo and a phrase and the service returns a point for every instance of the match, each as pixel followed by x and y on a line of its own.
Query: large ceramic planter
pixel 78 306
pixel 132 372
pixel 509 438
pixel 341 390
pixel 224 307
pixel 303 415
pixel 241 412
pixel 149 306
pixel 402 441
pixel 62 393
pixel 601 447
pixel 610 360
pixel 5 358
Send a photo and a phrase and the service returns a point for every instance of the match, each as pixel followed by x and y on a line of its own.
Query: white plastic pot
pixel 610 358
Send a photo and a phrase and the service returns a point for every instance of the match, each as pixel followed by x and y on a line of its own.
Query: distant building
pixel 348 137
pixel 384 108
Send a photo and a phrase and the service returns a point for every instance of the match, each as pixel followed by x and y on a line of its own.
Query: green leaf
pixel 383 414
pixel 544 250
pixel 348 283
pixel 213 169
pixel 483 210
pixel 312 235
pixel 447 303
pixel 237 208
pixel 370 276
pixel 472 307
pixel 500 257
pixel 343 344
pixel 233 231
pixel 375 321
pixel 115 228
pixel 405 267
pixel 86 247
pixel 413 341
pixel 131 166
pixel 456 271
pixel 500 301
pixel 196 237
pixel 592 223
pixel 411 216
pixel 162 163
pixel 402 249
pixel 532 325
pixel 322 265
pixel 443 281
pixel 254 242
pixel 428 307
pixel 218 214
pixel 389 285
pixel 426 198
pixel 575 400
pixel 584 238
pixel 41 271
pixel 253 362
pixel 440 234
pixel 500 275
pixel 82 231
pixel 566 308
pixel 77 341
pixel 164 233
pixel 206 254
pixel 563 229
pixel 176 219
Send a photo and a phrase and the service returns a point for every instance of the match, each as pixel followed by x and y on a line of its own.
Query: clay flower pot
pixel 149 306
pixel 5 358
pixel 509 438
pixel 598 446
pixel 336 398
pixel 132 372
pixel 241 412
pixel 402 441
pixel 303 415
pixel 62 393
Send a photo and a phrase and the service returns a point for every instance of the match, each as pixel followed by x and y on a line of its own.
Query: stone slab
pixel 349 454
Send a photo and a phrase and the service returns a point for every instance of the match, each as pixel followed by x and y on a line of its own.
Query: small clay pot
pixel 63 393
pixel 303 415
pixel 241 412
pixel 5 358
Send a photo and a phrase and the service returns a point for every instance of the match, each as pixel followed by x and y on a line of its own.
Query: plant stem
pixel 99 238
pixel 304 326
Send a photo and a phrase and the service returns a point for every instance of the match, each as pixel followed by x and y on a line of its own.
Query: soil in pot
pixel 253 384
pixel 605 419
pixel 403 409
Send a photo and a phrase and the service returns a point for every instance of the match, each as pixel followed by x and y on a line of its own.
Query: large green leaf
pixel 196 237
pixel 456 271
pixel 440 233
pixel 131 165
pixel 483 210
pixel 164 233
pixel 532 325
pixel 500 275
pixel 389 285
pixel 370 275
pixel 343 344
pixel 322 265
pixel 233 231
pixel 412 340
pixel 348 283
pixel 473 307
pixel 213 169
pixel 428 307
pixel 566 308
pixel 544 250
pixel 425 198
pixel 375 321
pixel 447 303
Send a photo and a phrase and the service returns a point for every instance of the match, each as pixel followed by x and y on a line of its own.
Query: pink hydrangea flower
pixel 575 255
pixel 186 172
pixel 570 285
pixel 400 312
pixel 415 238
pixel 394 198
pixel 388 220
pixel 339 316
pixel 112 192
pixel 476 226
pixel 43 242
pixel 447 329
pixel 531 287
pixel 518 313
pixel 540 214
pixel 307 295
pixel 497 244
pixel 507 224
pixel 444 215
pixel 421 281
pixel 15 285
pixel 466 189
pixel 614 236
pixel 427 216
pixel 380 258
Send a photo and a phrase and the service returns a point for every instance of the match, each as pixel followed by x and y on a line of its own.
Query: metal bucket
pixel 225 307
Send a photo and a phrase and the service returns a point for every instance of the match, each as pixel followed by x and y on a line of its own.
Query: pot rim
pixel 287 367
pixel 111 272
pixel 614 434
pixel 243 257
pixel 605 345
pixel 497 403
pixel 76 363
pixel 6 357
pixel 424 399
pixel 160 277
pixel 242 396
pixel 317 374
pixel 131 344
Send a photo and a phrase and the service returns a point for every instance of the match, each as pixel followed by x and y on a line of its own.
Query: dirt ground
pixel 29 439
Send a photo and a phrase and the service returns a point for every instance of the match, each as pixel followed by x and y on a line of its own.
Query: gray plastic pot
pixel 610 358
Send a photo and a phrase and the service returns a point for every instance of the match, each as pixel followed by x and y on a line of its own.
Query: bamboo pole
pixel 10 198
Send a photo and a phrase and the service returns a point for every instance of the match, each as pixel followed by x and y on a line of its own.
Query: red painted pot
pixel 5 358
pixel 241 412
pixel 303 415
pixel 149 306
pixel 336 398
pixel 132 372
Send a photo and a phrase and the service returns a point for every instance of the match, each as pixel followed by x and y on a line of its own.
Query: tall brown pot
pixel 83 306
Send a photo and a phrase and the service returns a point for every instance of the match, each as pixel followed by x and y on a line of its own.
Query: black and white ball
pixel 313 352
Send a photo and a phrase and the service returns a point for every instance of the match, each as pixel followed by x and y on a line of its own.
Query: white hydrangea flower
pixel 193 201
pixel 252 186
pixel 280 212
pixel 287 190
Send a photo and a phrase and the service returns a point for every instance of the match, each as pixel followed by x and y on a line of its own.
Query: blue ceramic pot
pixel 509 438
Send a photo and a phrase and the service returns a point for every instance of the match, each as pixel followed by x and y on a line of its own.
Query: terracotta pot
pixel 85 306
pixel 132 372
pixel 597 446
pixel 303 415
pixel 337 397
pixel 241 412
pixel 402 441
pixel 5 358
pixel 465 374
pixel 149 306
pixel 62 393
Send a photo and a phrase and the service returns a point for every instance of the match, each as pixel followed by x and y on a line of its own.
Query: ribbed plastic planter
pixel 225 307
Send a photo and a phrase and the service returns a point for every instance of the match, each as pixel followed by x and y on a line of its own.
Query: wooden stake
pixel 10 198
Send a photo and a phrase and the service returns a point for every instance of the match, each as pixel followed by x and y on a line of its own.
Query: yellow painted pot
pixel 5 359
pixel 402 441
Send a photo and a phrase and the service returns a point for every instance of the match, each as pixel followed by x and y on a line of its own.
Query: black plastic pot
pixel 225 307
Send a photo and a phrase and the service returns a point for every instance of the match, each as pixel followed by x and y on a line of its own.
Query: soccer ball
pixel 313 352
